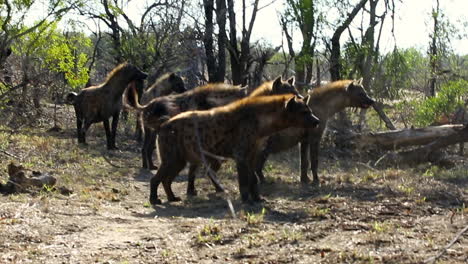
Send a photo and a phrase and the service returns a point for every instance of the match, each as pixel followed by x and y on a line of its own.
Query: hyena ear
pixel 291 81
pixel 277 83
pixel 172 76
pixel 70 99
pixel 359 82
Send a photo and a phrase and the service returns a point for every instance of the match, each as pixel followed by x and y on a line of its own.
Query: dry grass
pixel 358 215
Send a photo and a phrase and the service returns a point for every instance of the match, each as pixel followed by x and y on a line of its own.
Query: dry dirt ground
pixel 360 214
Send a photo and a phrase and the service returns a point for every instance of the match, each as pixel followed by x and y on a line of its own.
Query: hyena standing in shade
pixel 275 87
pixel 324 101
pixel 164 85
pixel 99 103
pixel 161 109
pixel 204 97
pixel 235 131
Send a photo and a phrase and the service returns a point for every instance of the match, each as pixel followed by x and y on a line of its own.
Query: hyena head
pixel 299 114
pixel 176 83
pixel 285 87
pixel 70 98
pixel 357 95
pixel 134 73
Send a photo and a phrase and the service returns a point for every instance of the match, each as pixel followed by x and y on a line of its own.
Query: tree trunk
pixel 222 38
pixel 240 59
pixel 335 65
pixel 433 51
pixel 113 24
pixel 367 63
pixel 388 123
pixel 208 39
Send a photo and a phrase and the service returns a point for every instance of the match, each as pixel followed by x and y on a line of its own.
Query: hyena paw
pixel 175 199
pixel 316 183
pixel 258 199
pixel 305 180
pixel 154 201
pixel 192 193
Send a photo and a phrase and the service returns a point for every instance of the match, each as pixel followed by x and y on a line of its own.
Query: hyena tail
pixel 130 98
pixel 70 98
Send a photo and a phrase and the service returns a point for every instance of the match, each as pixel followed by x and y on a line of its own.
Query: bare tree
pixel 240 52
pixel 433 49
pixel 306 16
pixel 335 49
pixel 261 56
pixel 216 65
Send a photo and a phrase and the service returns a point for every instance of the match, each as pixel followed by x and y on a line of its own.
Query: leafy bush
pixel 443 105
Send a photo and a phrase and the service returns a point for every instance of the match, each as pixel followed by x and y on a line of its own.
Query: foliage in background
pixel 63 53
pixel 47 61
pixel 392 75
pixel 450 97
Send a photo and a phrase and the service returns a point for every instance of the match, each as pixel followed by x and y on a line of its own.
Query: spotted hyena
pixel 161 109
pixel 201 98
pixel 164 85
pixel 99 103
pixel 324 101
pixel 275 87
pixel 234 131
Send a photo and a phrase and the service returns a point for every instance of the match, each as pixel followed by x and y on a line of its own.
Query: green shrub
pixel 450 97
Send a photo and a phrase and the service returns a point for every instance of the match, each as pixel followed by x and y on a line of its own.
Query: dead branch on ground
pixel 449 245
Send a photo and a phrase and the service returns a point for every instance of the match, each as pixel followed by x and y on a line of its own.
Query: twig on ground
pixel 367 166
pixel 380 159
pixel 8 154
pixel 110 163
pixel 442 252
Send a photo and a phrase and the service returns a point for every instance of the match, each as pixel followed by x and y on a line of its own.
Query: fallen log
pixel 422 154
pixel 405 137
pixel 429 152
